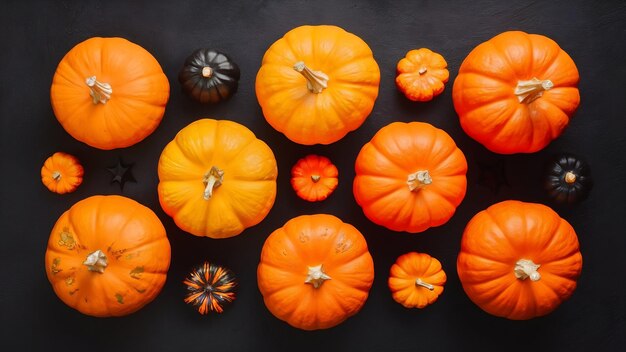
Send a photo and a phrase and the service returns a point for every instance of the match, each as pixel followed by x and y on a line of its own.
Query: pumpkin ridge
pixel 488 213
pixel 556 230
pixel 482 256
pixel 131 250
pixel 382 151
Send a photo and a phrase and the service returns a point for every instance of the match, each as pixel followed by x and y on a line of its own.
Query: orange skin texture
pixel 246 194
pixel 383 164
pixel 311 240
pixel 496 238
pixel 488 109
pixel 309 168
pixel 406 270
pixel 134 242
pixel 140 93
pixel 68 170
pixel 317 118
pixel 430 82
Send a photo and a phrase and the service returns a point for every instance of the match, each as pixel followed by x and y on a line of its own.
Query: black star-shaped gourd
pixel 492 175
pixel 121 173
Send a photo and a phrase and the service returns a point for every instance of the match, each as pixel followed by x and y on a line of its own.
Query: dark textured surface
pixel 36 35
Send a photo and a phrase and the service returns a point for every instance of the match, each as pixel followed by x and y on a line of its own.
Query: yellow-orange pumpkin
pixel 317 83
pixel 109 93
pixel 315 272
pixel 216 178
pixel 107 256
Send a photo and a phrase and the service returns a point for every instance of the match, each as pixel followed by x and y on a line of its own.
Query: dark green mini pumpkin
pixel 568 179
pixel 210 288
pixel 209 76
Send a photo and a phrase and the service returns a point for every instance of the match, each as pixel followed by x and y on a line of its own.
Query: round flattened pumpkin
pixel 216 178
pixel 62 173
pixel 519 260
pixel 416 280
pixel 317 83
pixel 516 92
pixel 410 177
pixel 315 272
pixel 107 256
pixel 109 93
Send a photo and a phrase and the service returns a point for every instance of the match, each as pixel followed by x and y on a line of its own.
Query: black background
pixel 36 35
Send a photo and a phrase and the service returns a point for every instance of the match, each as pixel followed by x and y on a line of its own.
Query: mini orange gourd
pixel 410 177
pixel 317 83
pixel 107 256
pixel 216 178
pixel 519 260
pixel 422 74
pixel 516 92
pixel 109 93
pixel 315 272
pixel 314 178
pixel 62 173
pixel 416 280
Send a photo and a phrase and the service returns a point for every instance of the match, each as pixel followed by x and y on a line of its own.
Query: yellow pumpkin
pixel 317 83
pixel 216 178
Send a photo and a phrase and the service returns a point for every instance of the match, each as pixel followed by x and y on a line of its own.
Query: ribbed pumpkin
pixel 107 256
pixel 410 177
pixel 62 173
pixel 109 93
pixel 314 178
pixel 422 74
pixel 216 178
pixel 317 83
pixel 519 260
pixel 416 280
pixel 315 272
pixel 516 92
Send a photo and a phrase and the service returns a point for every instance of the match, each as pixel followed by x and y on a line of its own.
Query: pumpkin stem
pixel 207 72
pixel 525 268
pixel 100 92
pixel 56 176
pixel 212 179
pixel 419 282
pixel 422 70
pixel 316 276
pixel 96 261
pixel 316 81
pixel 570 177
pixel 419 179
pixel 528 91
pixel 315 178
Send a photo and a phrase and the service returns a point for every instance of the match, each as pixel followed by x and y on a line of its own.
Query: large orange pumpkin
pixel 315 272
pixel 410 177
pixel 519 260
pixel 317 83
pixel 516 92
pixel 216 178
pixel 109 93
pixel 107 256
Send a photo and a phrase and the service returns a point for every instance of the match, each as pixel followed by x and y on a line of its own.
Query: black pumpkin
pixel 568 179
pixel 209 76
pixel 210 288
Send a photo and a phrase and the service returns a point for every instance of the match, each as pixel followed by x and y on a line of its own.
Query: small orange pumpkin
pixel 422 74
pixel 62 173
pixel 416 280
pixel 317 83
pixel 519 260
pixel 409 177
pixel 216 178
pixel 109 93
pixel 315 272
pixel 516 92
pixel 107 256
pixel 314 178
